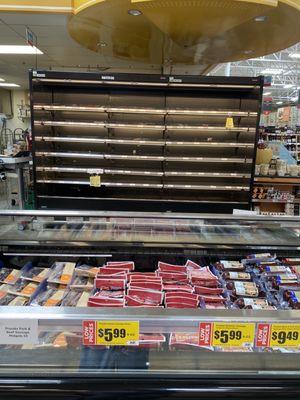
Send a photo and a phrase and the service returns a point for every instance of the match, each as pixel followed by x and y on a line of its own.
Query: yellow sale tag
pixel 95 180
pixel 233 334
pixel 229 123
pixel 285 335
pixel 117 333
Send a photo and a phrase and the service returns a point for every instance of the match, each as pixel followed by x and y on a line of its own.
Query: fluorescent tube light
pixel 2 80
pixel 272 71
pixel 294 55
pixel 4 84
pixel 16 49
pixel 279 102
pixel 267 94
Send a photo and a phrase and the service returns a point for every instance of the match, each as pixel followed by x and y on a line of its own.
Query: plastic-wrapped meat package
pixel 104 271
pixel 3 290
pixel 86 270
pixel 182 300
pixel 185 341
pixel 292 297
pixel 253 304
pixel 145 284
pixel 110 283
pixel 13 301
pixel 62 273
pixel 165 267
pixel 149 297
pixel 151 340
pixel 121 264
pixel 82 283
pixel 173 277
pixel 236 276
pixel 75 298
pixel 229 266
pixel 208 290
pixel 178 288
pixel 191 265
pixel 106 302
pixel 9 275
pixel 35 274
pixel 214 306
pixel 212 298
pixel 50 297
pixel 203 277
pixel 112 294
pixel 23 288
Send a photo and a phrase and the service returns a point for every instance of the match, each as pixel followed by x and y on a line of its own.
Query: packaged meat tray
pixel 34 274
pixel 244 289
pixel 292 297
pixel 229 266
pixel 185 341
pixel 23 288
pixel 82 283
pixel 9 275
pixel 13 301
pixel 48 296
pixel 61 273
pixel 253 304
pixel 86 270
pixel 75 298
pixel 236 276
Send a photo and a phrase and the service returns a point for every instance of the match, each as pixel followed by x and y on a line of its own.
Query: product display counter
pixel 65 351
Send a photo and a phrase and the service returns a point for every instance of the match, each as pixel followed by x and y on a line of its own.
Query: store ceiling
pixel 61 52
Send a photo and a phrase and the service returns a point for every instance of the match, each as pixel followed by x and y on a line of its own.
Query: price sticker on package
pixel 223 334
pixel 285 335
pixel 95 181
pixel 111 333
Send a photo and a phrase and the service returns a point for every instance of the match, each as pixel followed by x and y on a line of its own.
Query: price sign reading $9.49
pixel 285 335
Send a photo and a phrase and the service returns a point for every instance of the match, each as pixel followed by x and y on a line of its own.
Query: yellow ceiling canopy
pixel 191 32
pixel 186 31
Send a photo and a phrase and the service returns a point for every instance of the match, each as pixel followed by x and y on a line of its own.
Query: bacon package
pixel 110 283
pixel 150 297
pixel 121 264
pixel 203 277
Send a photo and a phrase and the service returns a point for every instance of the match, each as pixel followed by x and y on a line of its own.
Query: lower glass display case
pixel 99 305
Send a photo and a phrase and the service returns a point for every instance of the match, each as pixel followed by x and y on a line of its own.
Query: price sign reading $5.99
pixel 111 333
pixel 285 335
pixel 231 334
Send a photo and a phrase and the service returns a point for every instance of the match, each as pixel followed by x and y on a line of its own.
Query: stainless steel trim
pixel 142 158
pixel 166 215
pixel 119 125
pixel 140 142
pixel 146 185
pixel 139 110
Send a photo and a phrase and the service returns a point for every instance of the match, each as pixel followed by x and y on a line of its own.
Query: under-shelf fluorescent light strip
pixel 143 126
pixel 69 139
pixel 45 107
pixel 146 185
pixel 160 84
pixel 145 173
pixel 142 158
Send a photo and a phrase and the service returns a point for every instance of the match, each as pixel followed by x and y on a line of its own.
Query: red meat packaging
pixel 143 296
pixel 178 288
pixel 110 283
pixel 121 264
pixel 164 267
pixel 207 290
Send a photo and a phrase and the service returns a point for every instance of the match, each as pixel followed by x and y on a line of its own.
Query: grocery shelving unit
pixel 153 142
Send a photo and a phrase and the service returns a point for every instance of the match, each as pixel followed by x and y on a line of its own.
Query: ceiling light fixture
pixel 267 94
pixel 101 44
pixel 8 84
pixel 248 51
pixel 2 80
pixel 296 98
pixel 279 102
pixel 272 71
pixel 135 13
pixel 294 55
pixel 260 18
pixel 288 86
pixel 16 49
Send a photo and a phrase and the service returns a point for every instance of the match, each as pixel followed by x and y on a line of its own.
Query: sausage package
pixel 23 288
pixel 9 275
pixel 62 273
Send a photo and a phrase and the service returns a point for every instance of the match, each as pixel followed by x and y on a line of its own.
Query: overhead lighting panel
pixel 16 49
pixel 294 55
pixel 272 71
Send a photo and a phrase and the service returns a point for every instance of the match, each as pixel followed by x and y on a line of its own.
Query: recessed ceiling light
pixel 294 55
pixel 279 102
pixel 267 94
pixel 9 84
pixel 13 49
pixel 2 80
pixel 288 86
pixel 135 13
pixel 260 18
pixel 272 71
pixel 101 44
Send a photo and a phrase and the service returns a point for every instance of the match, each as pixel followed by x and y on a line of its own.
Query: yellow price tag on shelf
pixel 233 334
pixel 285 335
pixel 95 180
pixel 111 333
pixel 229 123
